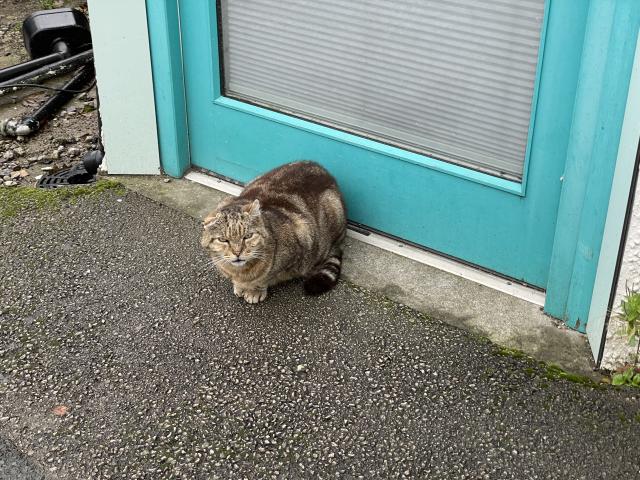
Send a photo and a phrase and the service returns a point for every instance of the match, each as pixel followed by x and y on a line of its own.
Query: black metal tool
pixel 82 173
pixel 46 72
pixel 50 36
pixel 31 123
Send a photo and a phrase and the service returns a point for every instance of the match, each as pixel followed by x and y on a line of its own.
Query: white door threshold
pixel 434 260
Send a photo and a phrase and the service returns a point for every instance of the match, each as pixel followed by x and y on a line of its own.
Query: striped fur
pixel 325 277
pixel 288 223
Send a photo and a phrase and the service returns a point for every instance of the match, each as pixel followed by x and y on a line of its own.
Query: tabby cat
pixel 288 223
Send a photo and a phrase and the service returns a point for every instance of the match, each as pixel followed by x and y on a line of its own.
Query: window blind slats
pixel 471 137
pixel 440 81
pixel 449 78
pixel 408 52
pixel 398 106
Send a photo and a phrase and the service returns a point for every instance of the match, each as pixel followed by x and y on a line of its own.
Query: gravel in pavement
pixel 124 355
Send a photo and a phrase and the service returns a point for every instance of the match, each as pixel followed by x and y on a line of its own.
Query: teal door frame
pixel 610 28
pixel 605 71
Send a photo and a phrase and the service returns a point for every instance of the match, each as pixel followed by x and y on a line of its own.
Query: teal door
pixel 457 144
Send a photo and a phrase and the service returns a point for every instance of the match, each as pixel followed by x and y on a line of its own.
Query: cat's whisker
pixel 202 261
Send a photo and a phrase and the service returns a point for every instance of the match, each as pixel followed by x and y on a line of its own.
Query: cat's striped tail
pixel 325 277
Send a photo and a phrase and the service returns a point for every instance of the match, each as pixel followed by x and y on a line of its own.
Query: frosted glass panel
pixel 453 79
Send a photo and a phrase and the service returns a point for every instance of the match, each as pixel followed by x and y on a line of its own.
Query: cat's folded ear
pixel 253 209
pixel 210 220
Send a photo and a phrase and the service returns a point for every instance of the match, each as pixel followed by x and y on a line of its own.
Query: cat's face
pixel 235 236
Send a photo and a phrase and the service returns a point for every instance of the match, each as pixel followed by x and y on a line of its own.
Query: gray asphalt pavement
pixel 14 465
pixel 123 355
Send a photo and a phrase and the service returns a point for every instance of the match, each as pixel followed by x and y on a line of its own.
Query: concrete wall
pixel 125 87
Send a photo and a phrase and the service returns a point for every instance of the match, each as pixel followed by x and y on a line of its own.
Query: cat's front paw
pixel 255 296
pixel 238 291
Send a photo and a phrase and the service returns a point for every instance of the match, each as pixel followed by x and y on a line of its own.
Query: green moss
pixel 13 200
pixel 554 372
pixel 510 352
pixel 547 371
pixel 482 339
pixel 47 4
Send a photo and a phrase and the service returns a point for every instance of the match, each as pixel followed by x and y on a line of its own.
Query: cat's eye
pixel 222 240
pixel 248 236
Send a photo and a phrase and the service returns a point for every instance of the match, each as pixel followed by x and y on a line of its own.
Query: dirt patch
pixel 71 133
